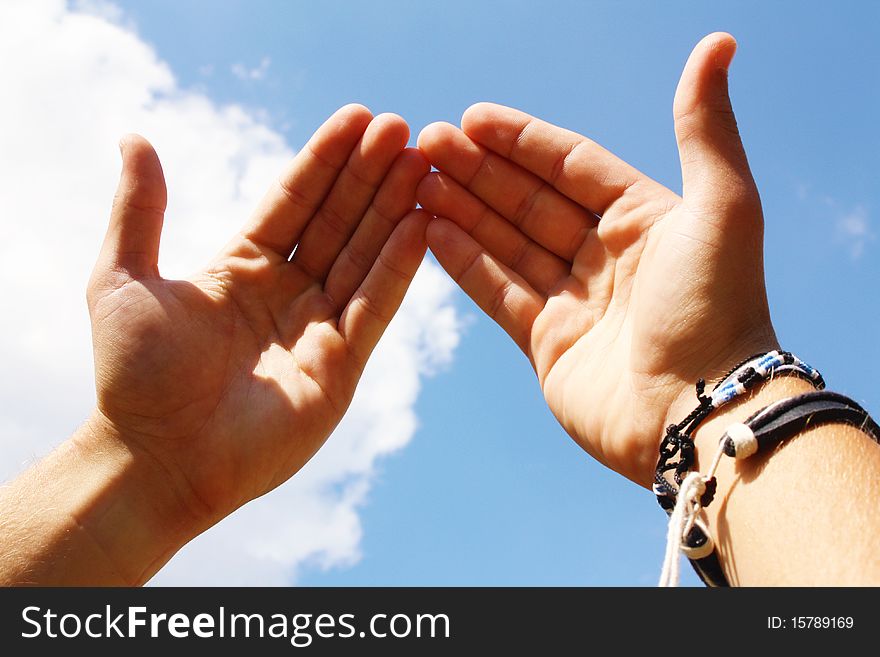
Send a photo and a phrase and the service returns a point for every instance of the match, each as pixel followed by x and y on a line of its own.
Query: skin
pixel 213 390
pixel 618 316
pixel 259 344
pixel 622 294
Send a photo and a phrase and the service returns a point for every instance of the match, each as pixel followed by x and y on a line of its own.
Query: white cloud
pixel 854 229
pixel 258 72
pixel 81 82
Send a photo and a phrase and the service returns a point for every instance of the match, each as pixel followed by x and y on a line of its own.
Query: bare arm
pixel 805 514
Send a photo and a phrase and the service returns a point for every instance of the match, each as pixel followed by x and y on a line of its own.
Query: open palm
pixel 620 292
pixel 231 380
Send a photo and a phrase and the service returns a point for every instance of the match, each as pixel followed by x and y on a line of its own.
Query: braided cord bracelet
pixel 762 431
pixel 677 453
pixel 743 377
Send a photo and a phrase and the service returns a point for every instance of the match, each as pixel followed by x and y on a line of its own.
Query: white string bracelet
pixel 688 504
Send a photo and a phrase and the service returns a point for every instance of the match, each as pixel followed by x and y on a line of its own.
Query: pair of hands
pixel 230 381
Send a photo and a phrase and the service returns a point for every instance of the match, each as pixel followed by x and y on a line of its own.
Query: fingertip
pixel 351 119
pixel 131 138
pixel 123 142
pixel 142 174
pixel 440 232
pixel 434 230
pixel 705 73
pixel 354 111
pixel 414 158
pixel 453 248
pixel 478 113
pixel 133 145
pixel 392 124
pixel 718 48
pixel 493 125
pixel 725 39
pixel 407 244
pixel 723 47
pixel 415 224
pixel 433 135
pixel 427 189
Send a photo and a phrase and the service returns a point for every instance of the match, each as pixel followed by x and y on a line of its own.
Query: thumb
pixel 714 168
pixel 132 240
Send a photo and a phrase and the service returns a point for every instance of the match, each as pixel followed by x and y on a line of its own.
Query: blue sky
pixel 491 491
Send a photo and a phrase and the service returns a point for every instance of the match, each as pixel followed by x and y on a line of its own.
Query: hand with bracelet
pixel 623 294
pixel 216 389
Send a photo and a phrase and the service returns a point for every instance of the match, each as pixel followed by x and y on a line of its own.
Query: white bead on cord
pixel 743 438
pixel 688 503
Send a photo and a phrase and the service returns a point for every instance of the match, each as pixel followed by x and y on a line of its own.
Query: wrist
pixel 731 477
pixel 795 514
pixel 122 501
pixel 683 398
pixel 709 433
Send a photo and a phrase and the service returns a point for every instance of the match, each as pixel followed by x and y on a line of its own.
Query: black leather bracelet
pixel 763 431
pixel 782 420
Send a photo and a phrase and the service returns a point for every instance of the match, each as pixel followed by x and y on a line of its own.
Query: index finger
pixel 573 164
pixel 298 193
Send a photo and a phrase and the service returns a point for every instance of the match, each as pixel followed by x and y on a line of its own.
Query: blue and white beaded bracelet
pixel 760 368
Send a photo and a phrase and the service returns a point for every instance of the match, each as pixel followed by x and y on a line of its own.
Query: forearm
pixel 93 512
pixel 804 514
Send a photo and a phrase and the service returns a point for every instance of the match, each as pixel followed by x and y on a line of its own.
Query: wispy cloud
pixel 60 170
pixel 851 225
pixel 258 72
pixel 855 230
pixel 102 9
